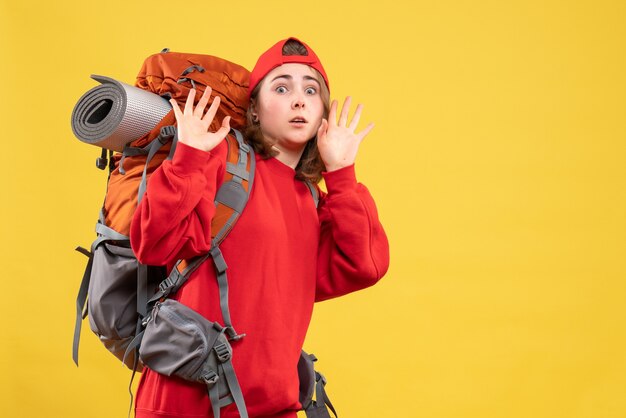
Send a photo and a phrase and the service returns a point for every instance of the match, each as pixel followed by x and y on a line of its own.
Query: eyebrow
pixel 288 77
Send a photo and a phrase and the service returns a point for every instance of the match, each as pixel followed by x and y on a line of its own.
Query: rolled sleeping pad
pixel 114 113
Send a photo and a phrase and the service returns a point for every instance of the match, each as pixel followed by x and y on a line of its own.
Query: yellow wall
pixel 497 161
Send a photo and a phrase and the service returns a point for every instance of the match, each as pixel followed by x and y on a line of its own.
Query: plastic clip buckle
pixel 183 79
pixel 210 377
pixel 101 163
pixel 319 376
pixel 166 285
pixel 223 354
pixel 166 133
pixel 145 321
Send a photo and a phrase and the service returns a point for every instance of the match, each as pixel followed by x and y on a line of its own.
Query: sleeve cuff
pixel 341 180
pixel 188 159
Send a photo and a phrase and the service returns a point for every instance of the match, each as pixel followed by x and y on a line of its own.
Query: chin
pixel 294 143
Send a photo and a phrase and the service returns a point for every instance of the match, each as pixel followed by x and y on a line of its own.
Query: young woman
pixel 283 254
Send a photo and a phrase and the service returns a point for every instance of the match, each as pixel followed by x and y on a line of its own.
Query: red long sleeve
pixel 282 255
pixel 173 220
pixel 353 250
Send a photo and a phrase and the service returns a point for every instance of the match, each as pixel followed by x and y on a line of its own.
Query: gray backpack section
pixel 112 307
pixel 117 286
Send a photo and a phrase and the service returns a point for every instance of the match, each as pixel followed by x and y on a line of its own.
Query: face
pixel 289 106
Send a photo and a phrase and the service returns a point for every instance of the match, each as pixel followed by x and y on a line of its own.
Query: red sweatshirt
pixel 282 255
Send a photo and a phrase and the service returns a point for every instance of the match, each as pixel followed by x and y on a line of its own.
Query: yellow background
pixel 497 162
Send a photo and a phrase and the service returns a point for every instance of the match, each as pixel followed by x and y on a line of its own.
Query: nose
pixel 298 102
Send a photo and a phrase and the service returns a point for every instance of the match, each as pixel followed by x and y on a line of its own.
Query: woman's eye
pixel 281 89
pixel 310 90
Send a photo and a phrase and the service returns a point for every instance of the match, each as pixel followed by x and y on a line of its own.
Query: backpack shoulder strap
pixel 314 192
pixel 230 200
pixel 232 196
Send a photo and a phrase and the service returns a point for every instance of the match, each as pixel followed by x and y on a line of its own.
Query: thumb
pixel 225 128
pixel 321 131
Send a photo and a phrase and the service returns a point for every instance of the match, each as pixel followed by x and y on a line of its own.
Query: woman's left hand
pixel 337 141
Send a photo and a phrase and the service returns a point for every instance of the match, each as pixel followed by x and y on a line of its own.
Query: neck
pixel 289 157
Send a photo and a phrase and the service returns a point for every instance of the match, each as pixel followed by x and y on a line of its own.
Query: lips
pixel 298 119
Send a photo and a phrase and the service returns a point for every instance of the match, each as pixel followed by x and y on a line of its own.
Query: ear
pixel 252 110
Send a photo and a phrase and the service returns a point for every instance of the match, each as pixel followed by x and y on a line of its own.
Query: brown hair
pixel 310 166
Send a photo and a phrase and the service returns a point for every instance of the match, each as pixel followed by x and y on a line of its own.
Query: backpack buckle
pixel 319 376
pixel 166 133
pixel 166 285
pixel 218 259
pixel 145 320
pixel 222 351
pixel 101 163
pixel 210 377
pixel 183 79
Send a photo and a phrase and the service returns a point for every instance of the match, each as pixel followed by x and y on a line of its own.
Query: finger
pixel 226 122
pixel 210 114
pixel 199 110
pixel 332 113
pixel 361 135
pixel 321 131
pixel 343 117
pixel 189 102
pixel 224 129
pixel 355 119
pixel 177 113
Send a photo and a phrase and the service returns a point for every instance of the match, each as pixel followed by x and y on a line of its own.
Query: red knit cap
pixel 274 57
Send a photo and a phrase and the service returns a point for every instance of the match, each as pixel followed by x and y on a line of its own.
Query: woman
pixel 283 254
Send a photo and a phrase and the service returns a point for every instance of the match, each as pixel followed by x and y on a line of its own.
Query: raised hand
pixel 193 124
pixel 337 142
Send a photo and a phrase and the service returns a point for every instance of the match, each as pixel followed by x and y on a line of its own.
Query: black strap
pixel 320 395
pixel 142 289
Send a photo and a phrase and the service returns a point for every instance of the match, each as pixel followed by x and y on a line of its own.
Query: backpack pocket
pixel 112 303
pixel 178 341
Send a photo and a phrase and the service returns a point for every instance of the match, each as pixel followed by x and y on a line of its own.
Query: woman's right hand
pixel 193 126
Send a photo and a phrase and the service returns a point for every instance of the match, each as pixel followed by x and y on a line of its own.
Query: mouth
pixel 298 120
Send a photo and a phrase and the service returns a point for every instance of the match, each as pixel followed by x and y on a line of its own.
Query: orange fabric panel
pixel 160 74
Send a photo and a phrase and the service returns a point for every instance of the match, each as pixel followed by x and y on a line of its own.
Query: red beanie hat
pixel 274 57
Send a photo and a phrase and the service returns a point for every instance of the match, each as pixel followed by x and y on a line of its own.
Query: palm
pixel 193 124
pixel 337 141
